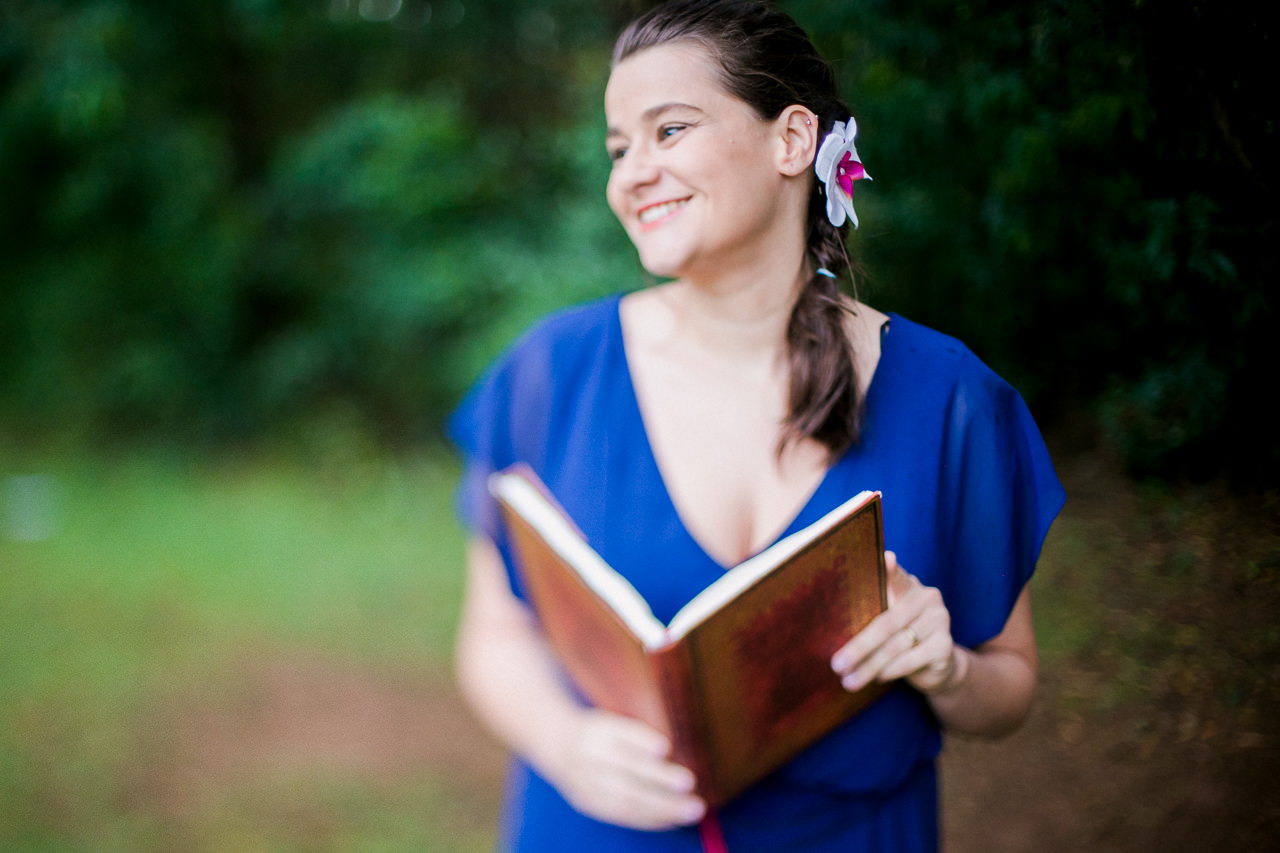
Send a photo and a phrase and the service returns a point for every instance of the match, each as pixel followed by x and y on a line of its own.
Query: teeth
pixel 651 214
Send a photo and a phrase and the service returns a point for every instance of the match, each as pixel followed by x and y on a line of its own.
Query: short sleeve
pixel 480 429
pixel 502 420
pixel 522 410
pixel 999 495
pixel 493 427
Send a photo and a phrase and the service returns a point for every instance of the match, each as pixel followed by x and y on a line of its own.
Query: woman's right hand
pixel 611 767
pixel 616 769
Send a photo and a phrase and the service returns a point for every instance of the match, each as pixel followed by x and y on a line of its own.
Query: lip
pixel 661 211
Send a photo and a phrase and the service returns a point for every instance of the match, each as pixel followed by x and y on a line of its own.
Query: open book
pixel 740 680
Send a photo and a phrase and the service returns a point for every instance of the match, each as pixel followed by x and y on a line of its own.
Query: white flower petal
pixel 831 153
pixel 829 156
pixel 835 210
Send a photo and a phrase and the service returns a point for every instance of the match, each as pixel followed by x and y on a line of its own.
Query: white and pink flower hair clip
pixel 838 166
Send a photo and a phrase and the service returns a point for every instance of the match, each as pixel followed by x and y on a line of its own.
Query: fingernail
pixel 851 682
pixel 693 810
pixel 659 747
pixel 838 662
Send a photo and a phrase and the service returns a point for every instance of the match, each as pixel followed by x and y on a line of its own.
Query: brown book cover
pixel 740 679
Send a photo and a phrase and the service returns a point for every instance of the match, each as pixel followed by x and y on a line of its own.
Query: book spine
pixel 673 669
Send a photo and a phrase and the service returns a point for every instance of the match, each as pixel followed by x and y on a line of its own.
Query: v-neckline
pixel 633 400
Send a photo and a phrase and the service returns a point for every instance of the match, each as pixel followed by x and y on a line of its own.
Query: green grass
pixel 162 576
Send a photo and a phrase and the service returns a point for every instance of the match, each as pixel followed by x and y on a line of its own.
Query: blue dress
pixel 968 490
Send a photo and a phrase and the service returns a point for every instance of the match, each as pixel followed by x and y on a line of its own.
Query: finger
pixel 636 749
pixel 660 775
pixel 901 582
pixel 619 799
pixel 915 620
pixel 649 809
pixel 619 779
pixel 928 657
pixel 855 653
pixel 878 665
pixel 860 651
pixel 879 632
pixel 646 793
pixel 640 738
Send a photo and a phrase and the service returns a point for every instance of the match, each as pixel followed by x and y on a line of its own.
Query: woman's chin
pixel 660 268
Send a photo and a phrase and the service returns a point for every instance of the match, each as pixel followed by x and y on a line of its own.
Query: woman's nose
pixel 638 167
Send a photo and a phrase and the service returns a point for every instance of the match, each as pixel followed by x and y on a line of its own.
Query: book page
pixel 731 584
pixel 555 529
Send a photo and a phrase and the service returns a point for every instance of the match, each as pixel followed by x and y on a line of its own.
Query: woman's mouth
pixel 654 213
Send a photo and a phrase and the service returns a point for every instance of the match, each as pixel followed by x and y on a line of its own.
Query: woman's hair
pixel 766 60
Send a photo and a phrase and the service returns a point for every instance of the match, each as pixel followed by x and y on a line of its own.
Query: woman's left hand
pixel 911 639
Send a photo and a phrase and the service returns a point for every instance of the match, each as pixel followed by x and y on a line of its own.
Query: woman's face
pixel 695 178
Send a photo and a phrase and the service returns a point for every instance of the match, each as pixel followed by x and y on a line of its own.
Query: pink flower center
pixel 848 171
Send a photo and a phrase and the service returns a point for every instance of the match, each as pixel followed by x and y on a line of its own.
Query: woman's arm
pixel 983 691
pixel 610 767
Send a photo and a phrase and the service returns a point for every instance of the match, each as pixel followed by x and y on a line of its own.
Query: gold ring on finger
pixel 912 636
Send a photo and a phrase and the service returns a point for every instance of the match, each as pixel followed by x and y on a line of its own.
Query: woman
pixel 688 426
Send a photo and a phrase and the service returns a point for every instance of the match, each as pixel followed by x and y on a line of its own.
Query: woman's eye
pixel 669 130
pixel 616 154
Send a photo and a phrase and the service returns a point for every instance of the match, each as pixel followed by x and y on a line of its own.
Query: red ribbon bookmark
pixel 711 834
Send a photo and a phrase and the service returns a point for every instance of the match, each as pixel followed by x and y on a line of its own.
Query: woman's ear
pixel 797 134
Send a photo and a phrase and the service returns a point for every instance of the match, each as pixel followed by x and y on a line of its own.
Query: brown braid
pixel 824 399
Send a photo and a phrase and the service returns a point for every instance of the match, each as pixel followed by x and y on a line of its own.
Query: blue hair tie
pixel 824 271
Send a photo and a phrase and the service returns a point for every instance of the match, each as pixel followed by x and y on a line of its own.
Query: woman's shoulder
pixel 927 358
pixel 571 325
pixel 541 366
pixel 924 342
pixel 559 338
pixel 931 345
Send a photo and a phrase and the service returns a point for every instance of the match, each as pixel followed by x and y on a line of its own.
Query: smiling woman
pixel 689 425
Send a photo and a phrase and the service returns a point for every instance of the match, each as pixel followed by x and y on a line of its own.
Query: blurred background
pixel 252 253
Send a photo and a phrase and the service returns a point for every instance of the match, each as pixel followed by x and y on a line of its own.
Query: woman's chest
pixel 714 439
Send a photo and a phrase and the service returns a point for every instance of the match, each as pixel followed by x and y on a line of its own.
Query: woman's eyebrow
pixel 654 112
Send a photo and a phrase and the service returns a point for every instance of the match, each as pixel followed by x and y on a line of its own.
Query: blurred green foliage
pixel 233 217
pixel 222 218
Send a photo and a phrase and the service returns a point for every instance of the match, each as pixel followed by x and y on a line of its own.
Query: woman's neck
pixel 739 316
